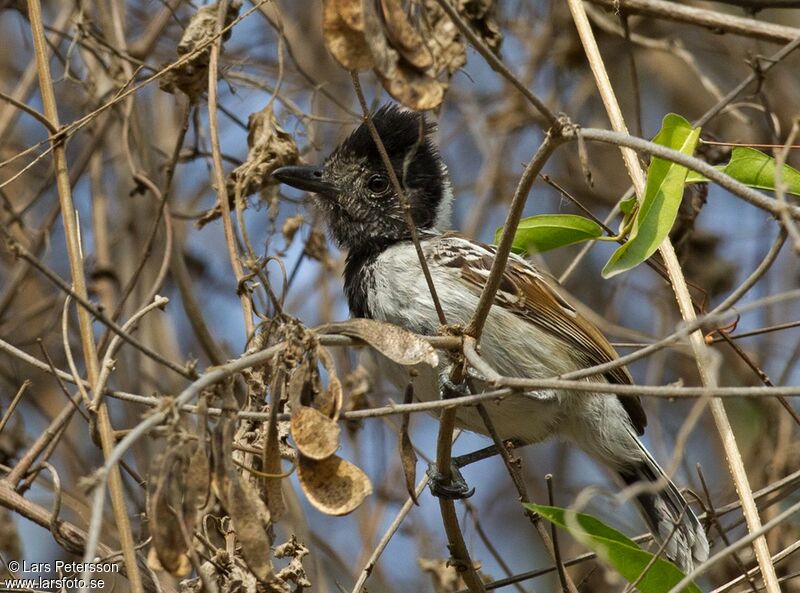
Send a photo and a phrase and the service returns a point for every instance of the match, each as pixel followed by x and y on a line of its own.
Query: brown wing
pixel 527 293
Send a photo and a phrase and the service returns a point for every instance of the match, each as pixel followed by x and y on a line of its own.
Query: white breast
pixel 401 296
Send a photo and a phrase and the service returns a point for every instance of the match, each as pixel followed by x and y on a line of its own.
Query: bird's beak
pixel 306 177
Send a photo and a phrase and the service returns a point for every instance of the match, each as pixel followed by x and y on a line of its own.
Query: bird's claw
pixel 454 488
pixel 451 390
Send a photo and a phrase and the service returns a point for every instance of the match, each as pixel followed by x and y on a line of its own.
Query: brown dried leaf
pixel 443 39
pixel 403 36
pixel 351 13
pixel 396 343
pixel 290 227
pixel 384 56
pixel 293 571
pixel 333 486
pixel 222 447
pixel 271 147
pixel 409 86
pixel 342 29
pixel 191 77
pixel 480 14
pixel 315 435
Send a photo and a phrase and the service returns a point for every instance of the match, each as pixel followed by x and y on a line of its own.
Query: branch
pixel 740 190
pixel 710 19
pixel 699 347
pixel 552 139
pixel 72 236
pixel 219 175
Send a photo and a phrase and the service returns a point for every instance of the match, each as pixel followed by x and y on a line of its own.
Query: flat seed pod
pixel 247 512
pixel 272 454
pixel 315 435
pixel 168 541
pixel 351 13
pixel 331 400
pixel 347 45
pixel 198 474
pixel 405 38
pixel 301 388
pixel 417 91
pixel 395 343
pixel 334 486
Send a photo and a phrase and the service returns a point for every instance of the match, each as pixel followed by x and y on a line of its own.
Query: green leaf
pixel 662 197
pixel 549 231
pixel 755 169
pixel 617 549
pixel 627 205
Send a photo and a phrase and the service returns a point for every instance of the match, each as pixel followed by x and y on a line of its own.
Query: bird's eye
pixel 378 184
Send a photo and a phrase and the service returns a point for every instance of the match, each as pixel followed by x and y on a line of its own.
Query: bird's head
pixel 355 192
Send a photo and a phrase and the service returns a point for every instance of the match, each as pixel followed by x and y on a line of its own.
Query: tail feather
pixel 668 514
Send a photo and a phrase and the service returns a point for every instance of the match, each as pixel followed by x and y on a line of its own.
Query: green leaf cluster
pixel 645 225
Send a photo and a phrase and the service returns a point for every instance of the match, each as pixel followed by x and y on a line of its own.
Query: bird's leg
pixel 456 486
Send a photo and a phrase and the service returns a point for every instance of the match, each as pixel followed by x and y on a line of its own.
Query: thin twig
pixel 562 573
pixel 13 405
pixel 219 175
pixel 87 307
pixel 736 546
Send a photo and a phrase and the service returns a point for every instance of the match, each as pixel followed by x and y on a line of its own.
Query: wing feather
pixel 530 295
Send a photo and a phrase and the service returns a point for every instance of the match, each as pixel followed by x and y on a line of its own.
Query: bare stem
pixel 72 235
pixel 699 347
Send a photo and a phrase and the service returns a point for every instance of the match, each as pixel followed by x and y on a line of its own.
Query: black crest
pixel 406 135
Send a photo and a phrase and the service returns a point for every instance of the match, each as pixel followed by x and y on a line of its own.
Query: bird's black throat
pixel 359 279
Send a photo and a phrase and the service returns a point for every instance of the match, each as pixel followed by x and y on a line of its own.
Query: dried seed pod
pixel 191 76
pixel 249 515
pixel 270 147
pixel 331 400
pixel 343 31
pixel 395 343
pixel 315 435
pixel 169 545
pixel 404 37
pixel 272 452
pixel 408 456
pixel 334 486
pixel 198 474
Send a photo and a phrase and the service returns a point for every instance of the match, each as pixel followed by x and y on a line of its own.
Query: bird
pixel 531 331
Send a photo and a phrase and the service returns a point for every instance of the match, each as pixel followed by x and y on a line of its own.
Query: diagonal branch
pixel 699 347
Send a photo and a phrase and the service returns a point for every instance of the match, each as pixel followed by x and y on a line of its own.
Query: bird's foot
pixel 453 488
pixel 450 390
